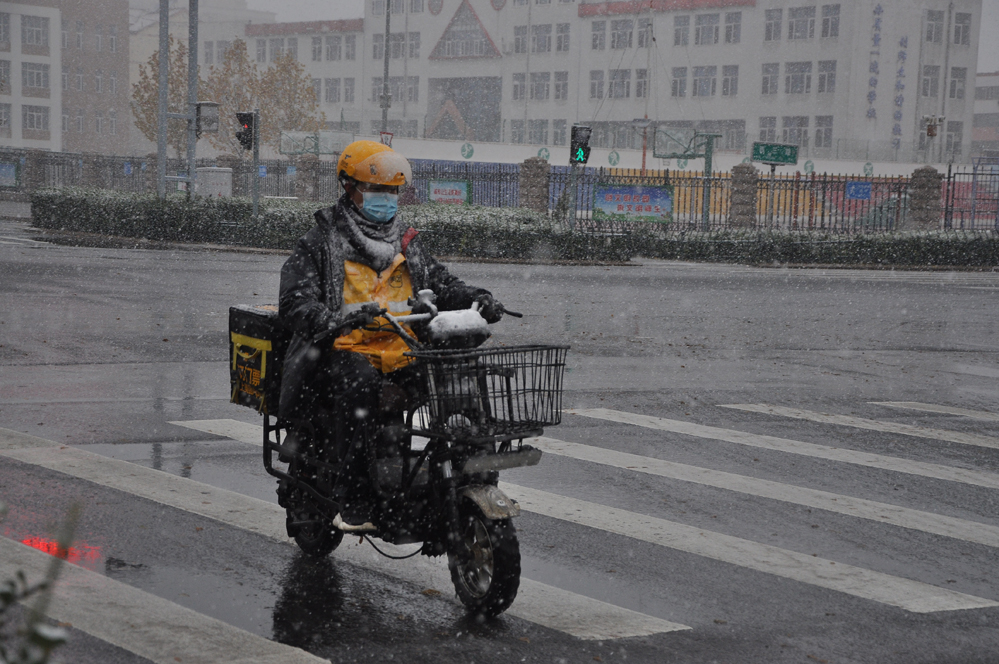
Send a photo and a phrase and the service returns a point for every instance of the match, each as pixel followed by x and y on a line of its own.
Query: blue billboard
pixel 626 202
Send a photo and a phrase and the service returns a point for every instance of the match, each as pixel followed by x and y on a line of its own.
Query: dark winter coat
pixel 311 301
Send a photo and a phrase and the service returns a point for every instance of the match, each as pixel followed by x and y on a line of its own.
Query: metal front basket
pixel 493 392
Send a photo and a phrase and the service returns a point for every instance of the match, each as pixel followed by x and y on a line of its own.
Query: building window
pixel 827 76
pixel 730 80
pixel 541 38
pixel 705 81
pixel 332 90
pixel 112 123
pixel 934 26
pixel 397 45
pixel 596 85
pixel 113 83
pixel 519 86
pixel 65 77
pixel 520 39
pixel 65 39
pixel 222 50
pixel 733 27
pixel 621 33
pixel 317 49
pixel 5 33
pixel 561 86
pixel 771 76
pixel 99 38
pixel 81 121
pixel 598 35
pixel 830 21
pixel 65 124
pixel 955 131
pixel 562 37
pixel 79 35
pixel 317 89
pixel 397 7
pixel 540 82
pixel 36 118
pixel 348 91
pixel 414 45
pixel 35 32
pixel 794 130
pixel 413 91
pixel 5 77
pixel 773 24
pixel 641 83
pixel 277 48
pixel 350 47
pixel 99 81
pixel 987 93
pixel 706 29
pixel 681 30
pixel 292 48
pixel 415 6
pixel 678 88
pixel 261 50
pixel 333 43
pixel 962 29
pixel 378 7
pixel 79 79
pixel 113 39
pixel 34 75
pixel 559 132
pixel 768 130
pixel 208 53
pixel 516 131
pixel 930 83
pixel 644 33
pixel 620 84
pixel 797 78
pixel 537 132
pixel 957 79
pixel 823 131
pixel 801 23
pixel 5 120
pixel 377 47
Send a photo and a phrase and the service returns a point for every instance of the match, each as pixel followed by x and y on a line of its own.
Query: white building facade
pixel 841 80
pixel 30 66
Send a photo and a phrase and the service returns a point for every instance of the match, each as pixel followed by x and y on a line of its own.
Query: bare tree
pixel 145 96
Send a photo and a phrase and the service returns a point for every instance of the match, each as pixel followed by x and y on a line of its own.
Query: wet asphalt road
pixel 101 349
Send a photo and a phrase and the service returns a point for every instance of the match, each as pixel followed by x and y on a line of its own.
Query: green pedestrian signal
pixel 579 148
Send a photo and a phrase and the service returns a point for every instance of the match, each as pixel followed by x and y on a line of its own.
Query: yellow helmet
pixel 375 163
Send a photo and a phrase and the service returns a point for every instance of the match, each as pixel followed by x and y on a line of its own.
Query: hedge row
pixel 485 232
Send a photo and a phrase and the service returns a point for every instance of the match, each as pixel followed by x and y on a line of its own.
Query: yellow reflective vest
pixel 390 290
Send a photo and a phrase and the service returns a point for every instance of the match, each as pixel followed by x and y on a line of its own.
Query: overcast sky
pixel 312 10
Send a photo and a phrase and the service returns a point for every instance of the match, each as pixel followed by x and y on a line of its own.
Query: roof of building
pixel 304 27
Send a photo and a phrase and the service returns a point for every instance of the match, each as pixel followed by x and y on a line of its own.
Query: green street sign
pixel 467 150
pixel 775 153
pixel 613 158
pixel 544 153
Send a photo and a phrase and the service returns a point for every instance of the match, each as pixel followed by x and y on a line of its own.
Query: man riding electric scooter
pixel 358 259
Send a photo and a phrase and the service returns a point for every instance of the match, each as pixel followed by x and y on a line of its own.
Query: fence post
pixel 742 210
pixel 794 200
pixel 925 193
pixel 535 173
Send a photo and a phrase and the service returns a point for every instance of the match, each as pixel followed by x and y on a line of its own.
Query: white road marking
pixel 893 464
pixel 974 370
pixel 580 616
pixel 904 593
pixel 907 594
pixel 242 431
pixel 903 517
pixel 142 623
pixel 871 425
pixel 944 410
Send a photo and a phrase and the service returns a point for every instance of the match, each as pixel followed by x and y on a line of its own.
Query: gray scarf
pixel 376 245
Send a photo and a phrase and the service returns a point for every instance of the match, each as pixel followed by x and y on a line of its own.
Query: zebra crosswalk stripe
pixel 943 410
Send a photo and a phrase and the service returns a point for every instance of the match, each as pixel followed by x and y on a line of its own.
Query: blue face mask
pixel 379 206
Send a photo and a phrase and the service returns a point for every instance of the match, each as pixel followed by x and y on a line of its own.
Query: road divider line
pixel 943 410
pixel 142 623
pixel 871 425
pixel 574 614
pixel 903 517
pixel 907 594
pixel 829 453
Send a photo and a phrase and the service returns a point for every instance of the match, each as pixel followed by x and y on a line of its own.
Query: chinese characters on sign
pixel 896 130
pixel 630 203
pixel 453 192
pixel 872 83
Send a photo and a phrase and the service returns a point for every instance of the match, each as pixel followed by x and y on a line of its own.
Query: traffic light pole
pixel 256 162
pixel 573 174
pixel 709 150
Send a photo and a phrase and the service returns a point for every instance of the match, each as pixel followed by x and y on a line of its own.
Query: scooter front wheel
pixel 485 562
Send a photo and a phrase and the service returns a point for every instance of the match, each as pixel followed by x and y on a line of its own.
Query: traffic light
pixel 931 130
pixel 245 134
pixel 579 148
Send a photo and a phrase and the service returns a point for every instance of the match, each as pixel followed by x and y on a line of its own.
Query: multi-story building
pixel 841 80
pixel 985 127
pixel 30 96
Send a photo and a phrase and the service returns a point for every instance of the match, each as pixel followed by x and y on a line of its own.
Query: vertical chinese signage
pixel 613 202
pixel 896 130
pixel 875 63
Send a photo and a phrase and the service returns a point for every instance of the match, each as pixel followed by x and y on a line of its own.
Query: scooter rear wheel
pixel 319 538
pixel 486 572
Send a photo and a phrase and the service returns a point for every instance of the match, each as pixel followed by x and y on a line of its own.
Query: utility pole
pixel 386 96
pixel 192 94
pixel 256 161
pixel 161 113
pixel 709 149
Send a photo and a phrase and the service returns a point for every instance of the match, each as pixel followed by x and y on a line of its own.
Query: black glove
pixel 363 317
pixel 489 308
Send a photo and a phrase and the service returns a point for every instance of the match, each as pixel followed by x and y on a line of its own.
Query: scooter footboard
pixel 525 456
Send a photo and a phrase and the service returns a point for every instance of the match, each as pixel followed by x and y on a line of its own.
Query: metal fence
pixel 970 198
